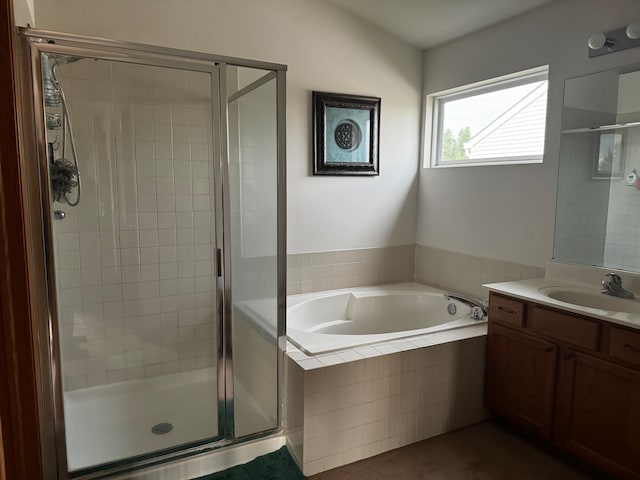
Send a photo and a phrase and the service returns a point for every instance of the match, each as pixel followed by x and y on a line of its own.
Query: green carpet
pixel 273 466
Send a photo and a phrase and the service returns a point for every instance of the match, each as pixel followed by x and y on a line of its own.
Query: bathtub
pixel 338 319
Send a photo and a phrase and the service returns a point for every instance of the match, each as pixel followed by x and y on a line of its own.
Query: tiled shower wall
pixel 134 259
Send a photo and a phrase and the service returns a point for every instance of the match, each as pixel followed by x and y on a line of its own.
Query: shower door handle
pixel 218 262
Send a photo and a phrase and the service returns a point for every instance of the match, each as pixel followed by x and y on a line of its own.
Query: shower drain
pixel 161 428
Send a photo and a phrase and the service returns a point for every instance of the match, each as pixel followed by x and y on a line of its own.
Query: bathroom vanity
pixel 563 359
pixel 568 375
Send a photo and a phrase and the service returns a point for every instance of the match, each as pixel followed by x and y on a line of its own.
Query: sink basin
pixel 585 298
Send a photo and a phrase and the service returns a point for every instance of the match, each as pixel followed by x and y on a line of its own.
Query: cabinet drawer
pixel 625 345
pixel 506 310
pixel 565 327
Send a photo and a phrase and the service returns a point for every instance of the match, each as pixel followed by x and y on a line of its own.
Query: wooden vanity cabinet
pixel 572 380
pixel 598 412
pixel 520 378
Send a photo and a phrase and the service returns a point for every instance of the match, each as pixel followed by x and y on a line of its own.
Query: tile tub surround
pixel 134 259
pixel 318 271
pixel 466 274
pixel 458 272
pixel 353 404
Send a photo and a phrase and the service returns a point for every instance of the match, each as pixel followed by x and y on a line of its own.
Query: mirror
pixel 598 205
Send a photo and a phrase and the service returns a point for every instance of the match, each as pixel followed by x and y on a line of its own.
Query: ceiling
pixel 425 23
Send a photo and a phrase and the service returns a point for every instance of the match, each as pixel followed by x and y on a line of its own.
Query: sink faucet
pixel 612 285
pixel 478 309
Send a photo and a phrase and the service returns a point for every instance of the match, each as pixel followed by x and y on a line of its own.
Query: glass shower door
pixel 131 180
pixel 253 178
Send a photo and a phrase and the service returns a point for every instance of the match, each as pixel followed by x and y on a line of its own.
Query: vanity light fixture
pixel 614 40
pixel 633 30
pixel 599 40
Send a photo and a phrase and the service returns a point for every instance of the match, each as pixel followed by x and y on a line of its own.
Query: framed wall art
pixel 346 133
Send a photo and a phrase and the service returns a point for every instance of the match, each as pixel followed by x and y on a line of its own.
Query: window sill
pixel 486 163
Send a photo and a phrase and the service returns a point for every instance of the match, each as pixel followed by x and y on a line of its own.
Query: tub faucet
pixel 478 309
pixel 612 285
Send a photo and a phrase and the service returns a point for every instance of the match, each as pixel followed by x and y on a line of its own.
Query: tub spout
pixel 478 309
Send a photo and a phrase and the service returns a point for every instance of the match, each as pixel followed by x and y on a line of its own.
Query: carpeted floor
pixel 274 466
pixel 486 451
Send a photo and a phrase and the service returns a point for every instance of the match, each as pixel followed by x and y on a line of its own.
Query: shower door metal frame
pixel 32 44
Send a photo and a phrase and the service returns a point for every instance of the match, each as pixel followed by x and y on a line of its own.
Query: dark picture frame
pixel 346 134
pixel 609 155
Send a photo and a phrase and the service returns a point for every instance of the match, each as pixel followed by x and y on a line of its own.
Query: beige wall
pixel 326 49
pixel 507 212
pixel 499 212
pixel 23 12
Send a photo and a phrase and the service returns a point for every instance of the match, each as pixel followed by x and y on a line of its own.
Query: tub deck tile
pixel 421 342
pixel 367 352
pixel 330 359
pixel 349 355
pixel 385 348
pixel 297 355
pixel 310 364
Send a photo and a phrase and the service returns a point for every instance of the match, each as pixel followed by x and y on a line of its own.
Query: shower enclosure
pixel 159 178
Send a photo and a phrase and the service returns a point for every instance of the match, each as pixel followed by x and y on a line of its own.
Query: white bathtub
pixel 338 319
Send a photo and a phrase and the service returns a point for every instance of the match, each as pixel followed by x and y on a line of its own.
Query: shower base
pixel 114 422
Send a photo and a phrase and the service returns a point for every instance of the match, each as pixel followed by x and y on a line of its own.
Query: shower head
pixel 51 88
pixel 53 96
pixel 50 61
pixel 51 93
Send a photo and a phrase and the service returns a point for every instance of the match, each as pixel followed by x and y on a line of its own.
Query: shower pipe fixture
pixel 614 40
pixel 54 97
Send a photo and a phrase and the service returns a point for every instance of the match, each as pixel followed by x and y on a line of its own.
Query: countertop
pixel 532 290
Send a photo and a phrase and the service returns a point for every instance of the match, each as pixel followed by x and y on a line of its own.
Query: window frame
pixel 434 102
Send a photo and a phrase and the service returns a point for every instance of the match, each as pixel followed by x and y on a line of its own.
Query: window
pixel 500 121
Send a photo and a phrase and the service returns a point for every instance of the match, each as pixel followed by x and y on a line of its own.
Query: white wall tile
pixel 117 252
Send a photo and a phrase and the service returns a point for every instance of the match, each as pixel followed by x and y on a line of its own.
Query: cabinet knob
pixel 569 355
pixel 549 349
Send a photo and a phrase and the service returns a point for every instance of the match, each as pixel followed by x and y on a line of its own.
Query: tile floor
pixel 484 451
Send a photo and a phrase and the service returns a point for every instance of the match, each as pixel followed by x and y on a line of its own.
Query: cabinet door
pixel 598 413
pixel 520 377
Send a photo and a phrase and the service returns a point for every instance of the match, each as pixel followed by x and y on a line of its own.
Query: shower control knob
pixel 54 121
pixel 59 215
